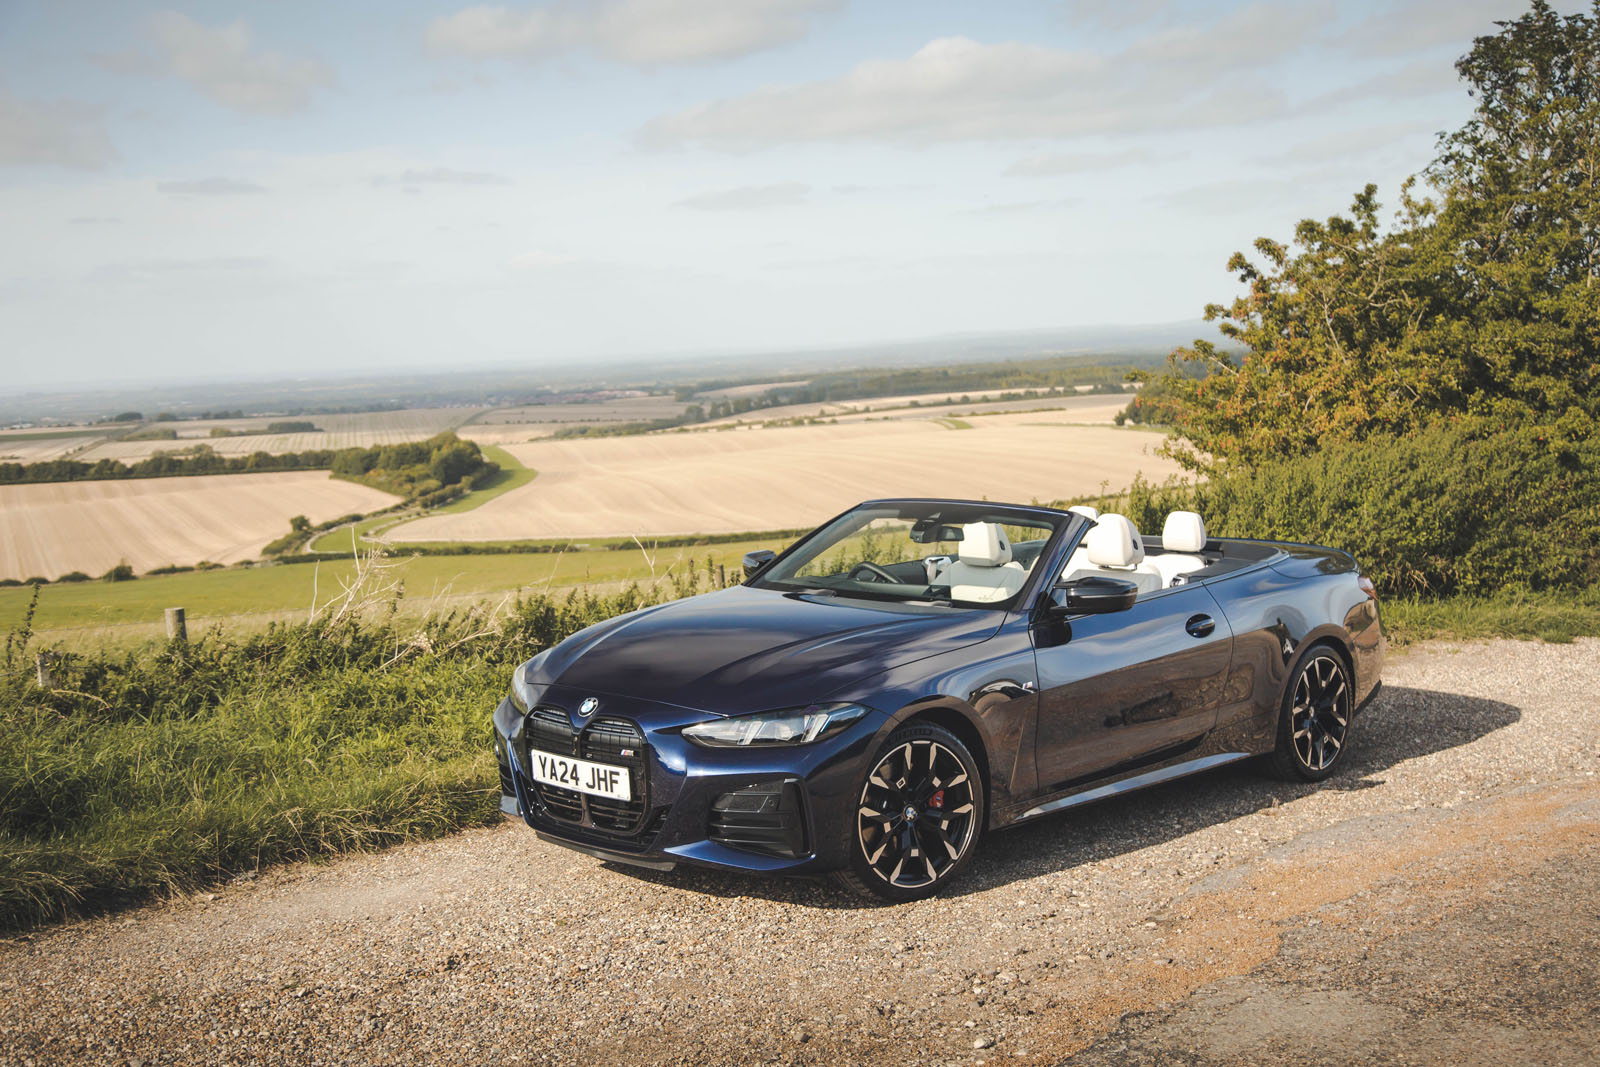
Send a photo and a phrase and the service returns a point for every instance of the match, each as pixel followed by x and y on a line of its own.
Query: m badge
pixel 589 706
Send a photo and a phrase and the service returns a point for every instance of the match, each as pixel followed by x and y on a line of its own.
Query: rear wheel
pixel 1314 723
pixel 918 816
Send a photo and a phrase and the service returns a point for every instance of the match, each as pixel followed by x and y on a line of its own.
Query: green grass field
pixel 98 609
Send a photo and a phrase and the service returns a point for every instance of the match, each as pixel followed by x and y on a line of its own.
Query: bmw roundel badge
pixel 589 706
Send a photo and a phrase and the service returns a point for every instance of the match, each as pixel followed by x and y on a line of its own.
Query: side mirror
pixel 755 562
pixel 1092 596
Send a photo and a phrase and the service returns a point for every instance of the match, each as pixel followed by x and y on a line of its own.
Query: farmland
pixel 1083 406
pixel 49 529
pixel 94 613
pixel 776 478
pixel 248 435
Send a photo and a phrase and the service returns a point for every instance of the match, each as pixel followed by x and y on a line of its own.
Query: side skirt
pixel 1138 781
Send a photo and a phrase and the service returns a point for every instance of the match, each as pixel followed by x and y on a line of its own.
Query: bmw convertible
pixel 915 674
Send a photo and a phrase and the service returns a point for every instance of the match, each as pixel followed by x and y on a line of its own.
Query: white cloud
pixel 52 132
pixel 957 89
pixel 1420 25
pixel 441 176
pixel 1115 16
pixel 221 63
pixel 641 32
pixel 540 259
pixel 749 197
pixel 1241 37
pixel 211 187
pixel 1049 166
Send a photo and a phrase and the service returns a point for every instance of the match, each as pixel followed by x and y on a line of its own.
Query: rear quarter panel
pixel 1277 609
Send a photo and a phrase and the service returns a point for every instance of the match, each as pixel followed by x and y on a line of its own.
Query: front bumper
pixel 765 810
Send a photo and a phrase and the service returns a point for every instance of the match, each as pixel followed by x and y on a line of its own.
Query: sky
pixel 299 188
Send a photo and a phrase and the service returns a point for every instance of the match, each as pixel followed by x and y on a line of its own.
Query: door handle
pixel 1200 625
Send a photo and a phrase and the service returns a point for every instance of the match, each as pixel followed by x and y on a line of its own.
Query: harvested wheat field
pixel 779 478
pixel 359 430
pixel 53 529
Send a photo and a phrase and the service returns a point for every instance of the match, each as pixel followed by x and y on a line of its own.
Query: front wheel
pixel 1314 722
pixel 918 816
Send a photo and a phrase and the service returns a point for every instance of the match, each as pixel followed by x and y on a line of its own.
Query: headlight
pixel 795 726
pixel 521 693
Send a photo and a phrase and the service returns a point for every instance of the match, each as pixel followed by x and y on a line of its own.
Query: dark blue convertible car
pixel 916 673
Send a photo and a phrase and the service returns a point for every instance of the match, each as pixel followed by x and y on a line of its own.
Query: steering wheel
pixel 877 573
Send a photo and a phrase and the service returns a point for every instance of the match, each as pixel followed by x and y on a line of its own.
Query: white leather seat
pixel 984 570
pixel 1080 555
pixel 1115 550
pixel 1183 533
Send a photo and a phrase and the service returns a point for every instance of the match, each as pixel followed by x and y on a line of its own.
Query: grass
pixel 226 595
pixel 57 435
pixel 1557 617
pixel 175 765
pixel 512 475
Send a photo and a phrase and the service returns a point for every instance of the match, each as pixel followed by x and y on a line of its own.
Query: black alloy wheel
pixel 1314 726
pixel 918 817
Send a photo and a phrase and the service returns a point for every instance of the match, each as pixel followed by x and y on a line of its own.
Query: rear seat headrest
pixel 1114 543
pixel 984 544
pixel 1085 510
pixel 1184 531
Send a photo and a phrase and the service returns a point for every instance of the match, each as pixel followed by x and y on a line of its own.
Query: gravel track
pixel 1436 901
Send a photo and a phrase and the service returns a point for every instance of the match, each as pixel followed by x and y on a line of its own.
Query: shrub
pixel 176 764
pixel 73 576
pixel 1446 511
pixel 122 572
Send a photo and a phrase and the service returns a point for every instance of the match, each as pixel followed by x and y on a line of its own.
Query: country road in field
pixel 793 477
pixel 1437 902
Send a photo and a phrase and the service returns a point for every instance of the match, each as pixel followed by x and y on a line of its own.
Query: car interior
pixel 988 566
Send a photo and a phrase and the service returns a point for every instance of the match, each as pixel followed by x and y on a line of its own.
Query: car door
pixel 1125 688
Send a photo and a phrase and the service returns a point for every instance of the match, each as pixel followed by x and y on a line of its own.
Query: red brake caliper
pixel 937 800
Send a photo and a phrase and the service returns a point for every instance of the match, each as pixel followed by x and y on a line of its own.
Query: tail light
pixel 1367 587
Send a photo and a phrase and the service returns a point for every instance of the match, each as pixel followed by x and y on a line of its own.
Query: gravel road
pixel 1437 902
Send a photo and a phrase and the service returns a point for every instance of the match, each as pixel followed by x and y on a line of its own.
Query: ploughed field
pixel 50 529
pixel 792 477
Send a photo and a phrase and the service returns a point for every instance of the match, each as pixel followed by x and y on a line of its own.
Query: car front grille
pixel 612 741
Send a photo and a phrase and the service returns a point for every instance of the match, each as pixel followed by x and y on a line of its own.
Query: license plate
pixel 596 779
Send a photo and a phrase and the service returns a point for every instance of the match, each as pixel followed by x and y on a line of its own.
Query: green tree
pixel 1480 302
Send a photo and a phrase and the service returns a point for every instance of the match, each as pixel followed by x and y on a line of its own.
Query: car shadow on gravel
pixel 1402 724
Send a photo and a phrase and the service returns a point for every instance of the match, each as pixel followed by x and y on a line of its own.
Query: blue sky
pixel 300 188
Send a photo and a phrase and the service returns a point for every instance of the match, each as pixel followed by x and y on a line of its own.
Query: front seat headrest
pixel 984 544
pixel 1184 531
pixel 1114 543
pixel 1085 510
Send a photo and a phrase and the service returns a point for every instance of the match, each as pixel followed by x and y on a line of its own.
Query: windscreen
pixel 965 555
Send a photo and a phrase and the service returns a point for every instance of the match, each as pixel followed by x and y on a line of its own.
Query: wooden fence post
pixel 177 628
pixel 41 663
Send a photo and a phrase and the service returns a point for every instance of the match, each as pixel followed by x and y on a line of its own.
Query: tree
pixel 1480 302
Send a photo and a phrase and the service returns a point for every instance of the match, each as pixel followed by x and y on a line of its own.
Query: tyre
pixel 1314 721
pixel 919 813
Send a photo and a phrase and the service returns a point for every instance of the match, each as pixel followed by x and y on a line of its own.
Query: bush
pixel 177 764
pixel 1446 511
pixel 73 576
pixel 122 572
